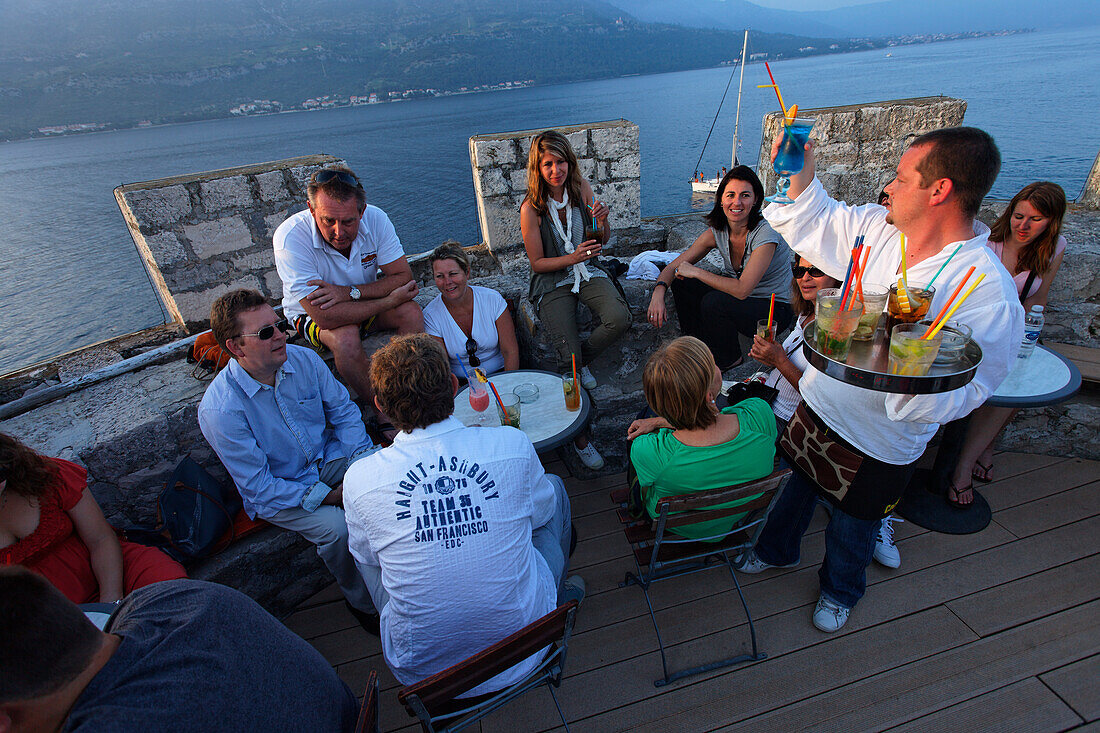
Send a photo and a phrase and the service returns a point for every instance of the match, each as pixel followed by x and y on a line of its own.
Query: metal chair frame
pixel 678 511
pixel 555 629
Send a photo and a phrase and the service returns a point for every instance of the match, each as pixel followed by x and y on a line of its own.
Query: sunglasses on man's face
pixel 471 352
pixel 799 272
pixel 323 177
pixel 265 333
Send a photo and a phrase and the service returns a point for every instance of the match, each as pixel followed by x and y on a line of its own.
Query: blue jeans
pixel 849 542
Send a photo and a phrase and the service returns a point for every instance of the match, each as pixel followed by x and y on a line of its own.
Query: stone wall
pixel 1090 197
pixel 608 158
pixel 204 234
pixel 859 145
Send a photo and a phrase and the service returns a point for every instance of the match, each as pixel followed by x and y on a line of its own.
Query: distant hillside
pixel 115 63
pixel 891 18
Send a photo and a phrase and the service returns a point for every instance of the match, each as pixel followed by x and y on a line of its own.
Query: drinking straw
pixel 853 282
pixel 459 357
pixel 775 86
pixel 852 257
pixel 960 302
pixel 904 273
pixel 771 312
pixel 862 266
pixel 944 265
pixel 575 382
pixel 499 401
pixel 936 321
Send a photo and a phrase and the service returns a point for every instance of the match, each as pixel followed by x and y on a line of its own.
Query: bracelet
pixel 659 282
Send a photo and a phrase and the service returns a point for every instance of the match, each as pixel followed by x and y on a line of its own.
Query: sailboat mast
pixel 740 86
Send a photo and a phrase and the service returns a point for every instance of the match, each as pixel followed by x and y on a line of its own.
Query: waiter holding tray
pixel 857 447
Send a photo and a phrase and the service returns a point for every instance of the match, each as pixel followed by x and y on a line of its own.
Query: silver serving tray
pixel 866 366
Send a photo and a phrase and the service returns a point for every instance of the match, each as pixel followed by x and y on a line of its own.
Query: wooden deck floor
pixel 995 631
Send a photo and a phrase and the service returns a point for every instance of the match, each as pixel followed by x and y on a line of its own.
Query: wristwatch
pixel 355 294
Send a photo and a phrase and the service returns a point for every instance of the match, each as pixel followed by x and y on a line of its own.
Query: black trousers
pixel 715 318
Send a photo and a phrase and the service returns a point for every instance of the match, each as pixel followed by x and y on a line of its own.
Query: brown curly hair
pixel 412 381
pixel 27 472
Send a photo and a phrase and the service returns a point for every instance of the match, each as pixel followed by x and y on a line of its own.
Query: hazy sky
pixel 810 4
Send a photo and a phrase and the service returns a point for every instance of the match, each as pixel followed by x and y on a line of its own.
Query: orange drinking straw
pixel 936 321
pixel 499 401
pixel 862 269
pixel 574 370
pixel 775 86
pixel 960 302
pixel 771 312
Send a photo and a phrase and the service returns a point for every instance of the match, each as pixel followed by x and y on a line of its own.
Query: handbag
pixel 825 462
pixel 194 515
pixel 740 391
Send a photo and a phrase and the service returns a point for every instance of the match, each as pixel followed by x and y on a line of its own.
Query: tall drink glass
pixel 919 300
pixel 835 327
pixel 791 157
pixel 874 302
pixel 910 355
pixel 572 394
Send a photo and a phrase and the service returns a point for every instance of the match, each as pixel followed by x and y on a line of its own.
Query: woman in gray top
pixel 716 307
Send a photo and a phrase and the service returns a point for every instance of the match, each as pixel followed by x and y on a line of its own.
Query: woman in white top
pixel 1028 239
pixel 786 360
pixel 472 322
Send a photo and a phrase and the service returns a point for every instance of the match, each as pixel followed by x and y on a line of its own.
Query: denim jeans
pixel 849 542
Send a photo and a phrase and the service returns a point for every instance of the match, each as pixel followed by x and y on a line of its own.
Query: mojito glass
pixel 835 328
pixel 874 302
pixel 910 355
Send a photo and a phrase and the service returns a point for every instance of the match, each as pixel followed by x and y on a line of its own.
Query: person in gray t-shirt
pixel 716 307
pixel 176 655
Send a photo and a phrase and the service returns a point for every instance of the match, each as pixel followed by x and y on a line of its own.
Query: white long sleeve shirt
pixel 896 428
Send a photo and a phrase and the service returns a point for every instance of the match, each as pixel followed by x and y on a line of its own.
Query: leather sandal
pixel 955 495
pixel 986 474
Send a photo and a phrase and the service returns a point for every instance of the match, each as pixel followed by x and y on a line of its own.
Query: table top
pixel 1046 378
pixel 545 421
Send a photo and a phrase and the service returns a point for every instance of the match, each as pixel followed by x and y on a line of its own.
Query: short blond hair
pixel 676 380
pixel 412 381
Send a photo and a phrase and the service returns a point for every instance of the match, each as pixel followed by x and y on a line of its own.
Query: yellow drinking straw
pixel 956 306
pixel 903 283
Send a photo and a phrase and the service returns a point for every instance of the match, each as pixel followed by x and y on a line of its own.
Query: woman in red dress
pixel 51 524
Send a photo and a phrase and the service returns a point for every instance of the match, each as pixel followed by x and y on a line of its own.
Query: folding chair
pixel 368 711
pixel 660 554
pixel 434 702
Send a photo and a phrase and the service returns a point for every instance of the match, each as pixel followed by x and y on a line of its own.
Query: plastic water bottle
pixel 1033 325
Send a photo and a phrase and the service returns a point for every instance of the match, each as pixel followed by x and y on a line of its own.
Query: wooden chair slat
pixel 444 686
pixel 688 518
pixel 706 499
pixel 620 495
pixel 368 711
pixel 671 551
pixel 641 532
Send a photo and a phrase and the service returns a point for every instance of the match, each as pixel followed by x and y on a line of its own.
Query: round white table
pixel 545 421
pixel 1045 378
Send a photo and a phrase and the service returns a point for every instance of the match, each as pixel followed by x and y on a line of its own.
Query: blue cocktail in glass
pixel 790 158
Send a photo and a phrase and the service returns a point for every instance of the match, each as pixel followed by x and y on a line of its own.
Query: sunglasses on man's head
pixel 800 271
pixel 471 352
pixel 323 177
pixel 265 333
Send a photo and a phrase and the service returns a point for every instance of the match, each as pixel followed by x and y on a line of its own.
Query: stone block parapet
pixel 1090 197
pixel 859 145
pixel 204 234
pixel 608 158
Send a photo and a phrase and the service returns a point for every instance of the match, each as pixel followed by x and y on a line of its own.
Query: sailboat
pixel 699 182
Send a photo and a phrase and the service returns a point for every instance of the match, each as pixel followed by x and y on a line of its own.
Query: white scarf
pixel 580 272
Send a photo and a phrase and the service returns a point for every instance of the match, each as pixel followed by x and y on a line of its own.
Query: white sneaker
pixel 751 564
pixel 589 456
pixel 587 380
pixel 572 589
pixel 829 616
pixel 886 552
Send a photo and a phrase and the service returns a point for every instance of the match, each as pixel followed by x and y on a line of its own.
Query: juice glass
pixel 919 301
pixel 572 394
pixel 835 328
pixel 763 331
pixel 874 302
pixel 910 355
pixel 509 416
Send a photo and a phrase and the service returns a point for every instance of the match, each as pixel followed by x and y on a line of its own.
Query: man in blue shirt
pixel 286 431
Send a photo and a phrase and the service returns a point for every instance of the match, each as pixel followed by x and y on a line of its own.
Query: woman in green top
pixel 692 445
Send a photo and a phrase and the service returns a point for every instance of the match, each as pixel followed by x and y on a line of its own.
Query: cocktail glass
pixel 955 335
pixel 572 394
pixel 791 157
pixel 479 397
pixel 919 298
pixel 509 416
pixel 765 330
pixel 835 327
pixel 910 355
pixel 874 302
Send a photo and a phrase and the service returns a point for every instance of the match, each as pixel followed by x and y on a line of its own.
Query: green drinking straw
pixel 943 266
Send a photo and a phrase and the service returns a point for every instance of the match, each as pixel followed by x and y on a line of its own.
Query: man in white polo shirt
pixel 329 257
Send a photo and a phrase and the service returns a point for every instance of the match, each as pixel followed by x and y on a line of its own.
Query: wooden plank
pixel 996 609
pixel 1079 685
pixel 1027 705
pixel 733 693
pixel 318 620
pixel 956 675
pixel 1052 511
pixel 1084 358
